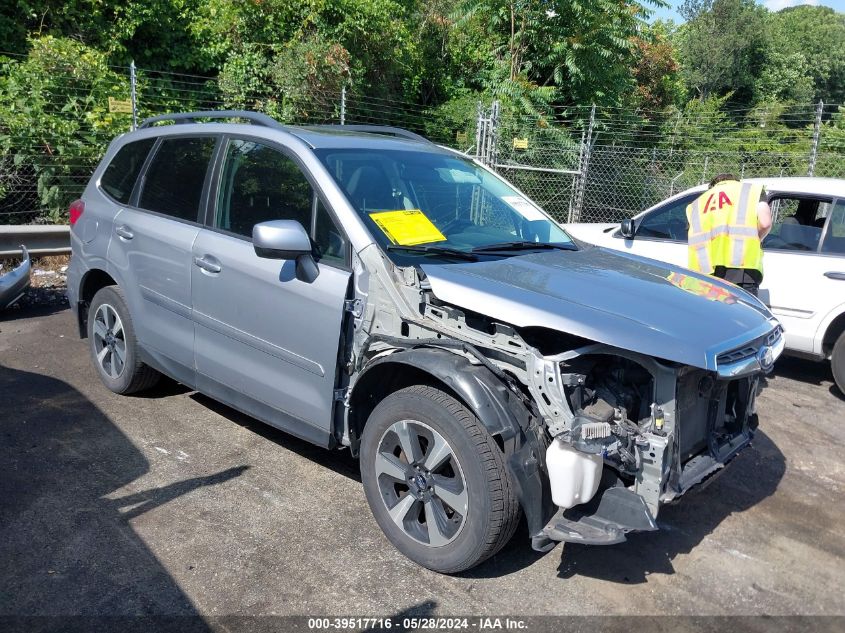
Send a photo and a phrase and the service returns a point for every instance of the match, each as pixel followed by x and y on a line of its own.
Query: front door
pixel 260 332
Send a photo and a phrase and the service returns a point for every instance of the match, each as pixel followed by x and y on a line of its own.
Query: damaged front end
pixel 655 428
pixel 597 428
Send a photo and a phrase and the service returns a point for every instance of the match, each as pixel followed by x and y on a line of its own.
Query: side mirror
pixel 626 229
pixel 286 239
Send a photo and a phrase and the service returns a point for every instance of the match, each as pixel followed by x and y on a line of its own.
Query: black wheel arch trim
pixel 500 410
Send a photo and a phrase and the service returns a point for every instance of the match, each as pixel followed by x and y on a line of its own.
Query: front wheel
pixel 436 481
pixel 837 362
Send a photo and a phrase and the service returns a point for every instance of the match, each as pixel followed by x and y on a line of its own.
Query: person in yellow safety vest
pixel 726 225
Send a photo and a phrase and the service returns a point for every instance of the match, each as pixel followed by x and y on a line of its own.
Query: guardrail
pixel 39 239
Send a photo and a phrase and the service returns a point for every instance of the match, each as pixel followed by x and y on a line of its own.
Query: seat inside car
pixel 369 188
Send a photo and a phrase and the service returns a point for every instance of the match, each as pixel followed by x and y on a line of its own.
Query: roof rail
pixel 374 129
pixel 256 118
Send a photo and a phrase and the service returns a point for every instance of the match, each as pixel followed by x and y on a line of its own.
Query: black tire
pixel 837 362
pixel 128 375
pixel 492 511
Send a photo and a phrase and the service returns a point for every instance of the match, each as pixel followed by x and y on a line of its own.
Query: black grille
pixel 750 349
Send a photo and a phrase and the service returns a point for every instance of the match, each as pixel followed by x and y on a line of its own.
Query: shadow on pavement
pixel 66 549
pixel 21 311
pixel 802 370
pixel 753 476
pixel 340 461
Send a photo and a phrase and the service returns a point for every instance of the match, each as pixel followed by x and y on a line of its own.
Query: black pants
pixel 745 279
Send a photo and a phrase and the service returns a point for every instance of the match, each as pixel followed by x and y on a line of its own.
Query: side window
pixel 173 182
pixel 331 245
pixel 834 239
pixel 669 223
pixel 260 183
pixel 796 223
pixel 121 174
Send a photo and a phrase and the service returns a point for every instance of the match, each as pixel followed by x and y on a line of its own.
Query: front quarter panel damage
pixel 626 406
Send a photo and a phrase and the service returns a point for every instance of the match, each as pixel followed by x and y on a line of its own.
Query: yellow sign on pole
pixel 520 143
pixel 461 137
pixel 117 105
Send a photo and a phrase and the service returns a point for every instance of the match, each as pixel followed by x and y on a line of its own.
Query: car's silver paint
pixel 608 297
pixel 263 332
pixel 155 265
pixel 281 235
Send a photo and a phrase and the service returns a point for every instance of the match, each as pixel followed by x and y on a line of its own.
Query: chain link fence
pixel 578 163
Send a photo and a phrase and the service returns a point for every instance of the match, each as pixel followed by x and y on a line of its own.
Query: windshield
pixel 425 203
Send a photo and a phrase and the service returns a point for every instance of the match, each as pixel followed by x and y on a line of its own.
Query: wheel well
pixel 834 330
pixel 93 281
pixel 383 380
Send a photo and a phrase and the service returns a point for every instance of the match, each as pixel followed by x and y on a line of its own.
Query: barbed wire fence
pixel 580 163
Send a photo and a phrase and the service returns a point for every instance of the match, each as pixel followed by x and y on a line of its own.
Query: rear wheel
pixel 114 348
pixel 436 481
pixel 837 362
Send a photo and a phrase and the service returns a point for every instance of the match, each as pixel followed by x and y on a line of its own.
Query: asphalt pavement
pixel 169 503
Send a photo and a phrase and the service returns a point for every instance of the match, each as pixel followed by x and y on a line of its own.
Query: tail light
pixel 77 207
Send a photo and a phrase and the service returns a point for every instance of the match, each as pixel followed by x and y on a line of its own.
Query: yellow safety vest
pixel 723 228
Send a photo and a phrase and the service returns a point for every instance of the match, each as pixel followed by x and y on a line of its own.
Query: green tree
pixel 656 70
pixel 722 48
pixel 54 118
pixel 816 34
pixel 578 51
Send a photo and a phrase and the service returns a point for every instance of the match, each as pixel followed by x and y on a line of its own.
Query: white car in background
pixel 803 261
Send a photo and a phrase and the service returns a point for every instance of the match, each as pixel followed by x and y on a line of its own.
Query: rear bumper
pixel 15 282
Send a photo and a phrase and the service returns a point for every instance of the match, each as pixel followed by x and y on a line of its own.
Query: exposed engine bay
pixel 606 434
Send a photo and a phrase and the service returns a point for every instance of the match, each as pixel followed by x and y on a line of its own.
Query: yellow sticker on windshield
pixel 407 227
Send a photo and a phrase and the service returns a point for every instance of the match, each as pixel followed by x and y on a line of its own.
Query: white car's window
pixel 834 240
pixel 797 223
pixel 669 222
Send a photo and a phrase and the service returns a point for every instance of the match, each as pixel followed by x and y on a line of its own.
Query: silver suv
pixel 363 288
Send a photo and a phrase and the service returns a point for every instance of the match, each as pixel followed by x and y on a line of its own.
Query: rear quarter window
pixel 119 178
pixel 174 180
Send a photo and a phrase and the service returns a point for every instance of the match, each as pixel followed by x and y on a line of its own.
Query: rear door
pixel 151 248
pixel 795 285
pixel 267 342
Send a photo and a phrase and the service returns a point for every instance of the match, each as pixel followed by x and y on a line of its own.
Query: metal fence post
pixel 584 167
pixel 704 173
pixel 343 105
pixel 814 148
pixel 132 94
pixel 493 156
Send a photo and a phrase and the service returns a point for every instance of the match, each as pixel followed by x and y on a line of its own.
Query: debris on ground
pixel 48 281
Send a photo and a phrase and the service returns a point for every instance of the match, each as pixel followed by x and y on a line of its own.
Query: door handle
pixel 835 275
pixel 124 232
pixel 207 265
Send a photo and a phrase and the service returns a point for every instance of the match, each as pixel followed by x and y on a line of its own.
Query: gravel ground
pixel 170 503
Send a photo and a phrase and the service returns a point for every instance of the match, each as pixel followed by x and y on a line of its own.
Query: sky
pixel 772 5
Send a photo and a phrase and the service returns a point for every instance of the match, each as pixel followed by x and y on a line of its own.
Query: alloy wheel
pixel 421 483
pixel 109 341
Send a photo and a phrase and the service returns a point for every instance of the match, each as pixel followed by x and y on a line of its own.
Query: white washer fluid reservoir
pixel 574 476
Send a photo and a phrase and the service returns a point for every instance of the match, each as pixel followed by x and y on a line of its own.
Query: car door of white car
pixel 659 234
pixel 804 266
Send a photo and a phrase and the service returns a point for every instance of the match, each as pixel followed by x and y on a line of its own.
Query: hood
pixel 619 299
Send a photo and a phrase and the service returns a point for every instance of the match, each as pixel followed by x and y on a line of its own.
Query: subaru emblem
pixel 766 357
